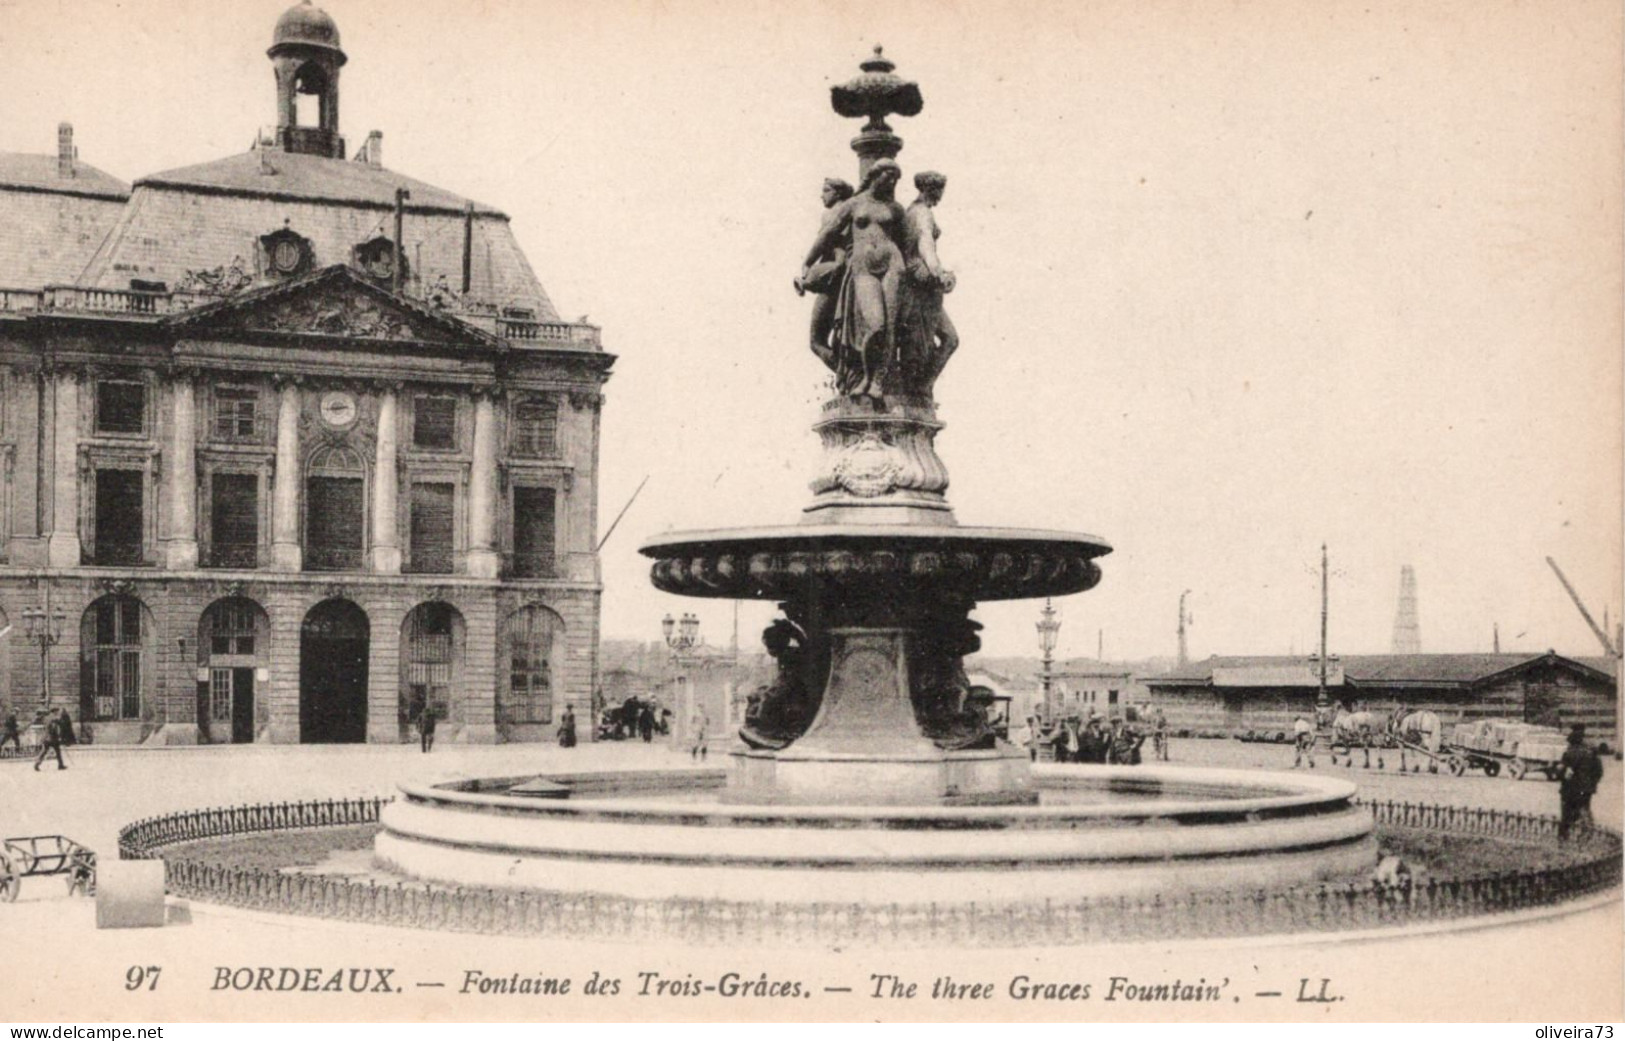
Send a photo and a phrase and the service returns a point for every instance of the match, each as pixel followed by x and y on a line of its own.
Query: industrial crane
pixel 1608 645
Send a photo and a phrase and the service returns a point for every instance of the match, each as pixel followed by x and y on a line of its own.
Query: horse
pixel 1417 730
pixel 1357 728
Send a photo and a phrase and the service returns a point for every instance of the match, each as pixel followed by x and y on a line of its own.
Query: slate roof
pixel 293 175
pixel 40 173
pixel 206 217
pixel 50 225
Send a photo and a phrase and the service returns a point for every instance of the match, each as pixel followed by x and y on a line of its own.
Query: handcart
pixel 31 855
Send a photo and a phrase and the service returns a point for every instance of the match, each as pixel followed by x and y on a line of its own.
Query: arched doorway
pixel 116 641
pixel 333 648
pixel 232 645
pixel 432 645
pixel 532 638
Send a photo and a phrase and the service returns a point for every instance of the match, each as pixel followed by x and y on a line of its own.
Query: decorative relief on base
pixel 877 449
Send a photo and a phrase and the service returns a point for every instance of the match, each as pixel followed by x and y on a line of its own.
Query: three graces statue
pixel 878 321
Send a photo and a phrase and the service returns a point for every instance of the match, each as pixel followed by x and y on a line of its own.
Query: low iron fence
pixel 1589 862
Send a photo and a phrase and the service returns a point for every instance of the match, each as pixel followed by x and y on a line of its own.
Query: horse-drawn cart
pixel 1493 744
pixel 46 855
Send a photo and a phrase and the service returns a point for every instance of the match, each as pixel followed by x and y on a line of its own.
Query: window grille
pixel 432 529
pixel 116 659
pixel 533 532
pixel 119 515
pixel 234 524
pixel 531 634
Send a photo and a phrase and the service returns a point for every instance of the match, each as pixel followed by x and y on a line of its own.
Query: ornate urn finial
pixel 876 92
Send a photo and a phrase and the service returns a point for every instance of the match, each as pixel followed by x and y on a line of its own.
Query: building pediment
pixel 336 303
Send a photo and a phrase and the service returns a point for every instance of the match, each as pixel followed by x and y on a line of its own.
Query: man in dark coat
pixel 11 734
pixel 66 723
pixel 1580 772
pixel 52 742
pixel 428 719
pixel 646 723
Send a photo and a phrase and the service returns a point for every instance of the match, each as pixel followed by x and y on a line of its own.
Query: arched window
pixel 429 664
pixel 335 509
pixel 112 634
pixel 532 635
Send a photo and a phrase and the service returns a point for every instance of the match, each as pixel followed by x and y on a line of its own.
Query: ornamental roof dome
pixel 304 23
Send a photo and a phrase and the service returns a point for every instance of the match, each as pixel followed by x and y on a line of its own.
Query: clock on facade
pixel 338 408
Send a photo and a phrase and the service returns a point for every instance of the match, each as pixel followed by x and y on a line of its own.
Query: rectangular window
pixel 116 678
pixel 333 535
pixel 434 423
pixel 236 414
pixel 121 407
pixel 118 517
pixel 536 429
pixel 432 528
pixel 533 532
pixel 234 526
pixel 220 695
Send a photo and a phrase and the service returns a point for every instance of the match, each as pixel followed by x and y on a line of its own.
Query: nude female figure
pixel 866 309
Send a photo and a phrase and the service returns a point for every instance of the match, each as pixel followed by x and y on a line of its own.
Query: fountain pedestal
pixel 866 747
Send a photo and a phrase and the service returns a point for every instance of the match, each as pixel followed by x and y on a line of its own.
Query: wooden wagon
pixel 33 855
pixel 1493 744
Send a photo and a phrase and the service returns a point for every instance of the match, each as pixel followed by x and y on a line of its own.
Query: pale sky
pixel 1234 279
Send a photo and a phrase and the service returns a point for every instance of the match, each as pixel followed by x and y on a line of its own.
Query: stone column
pixel 64 544
pixel 182 545
pixel 286 550
pixel 482 492
pixel 386 542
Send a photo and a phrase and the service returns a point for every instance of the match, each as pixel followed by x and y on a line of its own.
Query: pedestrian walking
pixel 1303 735
pixel 567 728
pixel 700 725
pixel 646 723
pixel 1159 735
pixel 52 742
pixel 1580 771
pixel 428 719
pixel 11 734
pixel 65 721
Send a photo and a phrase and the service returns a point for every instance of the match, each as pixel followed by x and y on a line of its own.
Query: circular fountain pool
pixel 1096 831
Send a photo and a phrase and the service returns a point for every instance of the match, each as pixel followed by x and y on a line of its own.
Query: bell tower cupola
pixel 306 56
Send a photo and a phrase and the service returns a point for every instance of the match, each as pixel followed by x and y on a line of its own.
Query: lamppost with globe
pixel 682 635
pixel 1049 626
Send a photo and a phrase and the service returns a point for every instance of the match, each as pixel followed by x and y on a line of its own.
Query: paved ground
pixel 1567 968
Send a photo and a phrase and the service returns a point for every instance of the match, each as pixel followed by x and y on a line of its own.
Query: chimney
pixel 372 153
pixel 65 153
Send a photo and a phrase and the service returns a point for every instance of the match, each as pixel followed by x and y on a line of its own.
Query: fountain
pixel 867 771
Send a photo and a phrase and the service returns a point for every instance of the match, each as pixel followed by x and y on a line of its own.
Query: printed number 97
pixel 139 974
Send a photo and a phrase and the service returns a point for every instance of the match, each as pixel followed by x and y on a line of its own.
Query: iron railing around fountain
pixel 1589 862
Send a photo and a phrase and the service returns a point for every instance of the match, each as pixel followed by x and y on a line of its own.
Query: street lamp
pixel 681 636
pixel 1049 625
pixel 43 626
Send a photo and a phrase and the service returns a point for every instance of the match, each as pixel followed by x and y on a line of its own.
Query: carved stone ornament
pixel 868 466
pixel 223 280
pixel 335 314
pixel 117 586
pixel 437 594
pixel 336 591
pixel 586 400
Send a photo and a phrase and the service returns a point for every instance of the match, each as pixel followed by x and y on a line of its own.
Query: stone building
pixel 1264 694
pixel 292 446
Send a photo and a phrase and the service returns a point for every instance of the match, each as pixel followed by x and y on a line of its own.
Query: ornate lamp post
pixel 681 637
pixel 1049 626
pixel 43 626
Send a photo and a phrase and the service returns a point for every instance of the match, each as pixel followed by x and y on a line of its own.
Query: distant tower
pixel 305 53
pixel 1407 630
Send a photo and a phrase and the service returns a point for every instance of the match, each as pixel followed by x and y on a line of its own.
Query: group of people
pixel 634 718
pixel 56 730
pixel 1116 741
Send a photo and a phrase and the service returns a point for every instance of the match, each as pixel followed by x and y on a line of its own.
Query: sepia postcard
pixel 732 511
